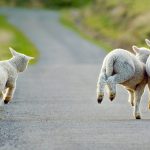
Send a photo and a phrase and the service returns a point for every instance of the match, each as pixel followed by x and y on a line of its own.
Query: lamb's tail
pixel 109 67
pixel 106 71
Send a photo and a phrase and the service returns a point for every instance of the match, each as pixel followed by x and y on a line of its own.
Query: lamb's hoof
pixel 112 96
pixel 137 117
pixel 100 98
pixel 6 101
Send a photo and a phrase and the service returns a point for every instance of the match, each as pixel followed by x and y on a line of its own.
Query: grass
pixel 10 36
pixel 66 20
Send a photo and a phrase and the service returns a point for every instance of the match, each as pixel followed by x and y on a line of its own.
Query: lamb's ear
pixel 147 42
pixel 29 58
pixel 13 52
pixel 135 49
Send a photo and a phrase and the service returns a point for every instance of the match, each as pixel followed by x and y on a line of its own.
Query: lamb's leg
pixel 112 89
pixel 1 98
pixel 137 97
pixel 131 97
pixel 149 92
pixel 114 80
pixel 9 94
pixel 125 72
pixel 100 87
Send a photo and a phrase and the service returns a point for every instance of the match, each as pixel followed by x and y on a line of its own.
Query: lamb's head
pixel 20 60
pixel 142 53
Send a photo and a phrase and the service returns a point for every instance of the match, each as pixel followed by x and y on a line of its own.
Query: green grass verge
pixel 10 36
pixel 66 20
pixel 118 23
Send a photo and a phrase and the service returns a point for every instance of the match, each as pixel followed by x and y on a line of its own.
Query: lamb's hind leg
pixel 137 98
pixel 100 87
pixel 9 94
pixel 125 72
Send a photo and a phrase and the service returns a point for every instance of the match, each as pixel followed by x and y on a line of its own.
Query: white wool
pixel 9 70
pixel 148 60
pixel 127 69
pixel 148 69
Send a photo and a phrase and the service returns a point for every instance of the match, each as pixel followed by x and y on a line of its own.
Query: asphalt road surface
pixel 55 105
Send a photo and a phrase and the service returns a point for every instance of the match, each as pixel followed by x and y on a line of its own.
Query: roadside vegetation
pixel 10 36
pixel 115 23
pixel 110 23
pixel 53 4
pixel 67 20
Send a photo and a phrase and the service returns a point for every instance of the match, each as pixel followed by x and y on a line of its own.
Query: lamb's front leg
pixel 9 93
pixel 131 97
pixel 137 95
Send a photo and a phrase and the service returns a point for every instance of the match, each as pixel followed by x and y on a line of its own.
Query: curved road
pixel 54 107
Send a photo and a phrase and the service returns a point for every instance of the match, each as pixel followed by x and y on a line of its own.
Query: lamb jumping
pixel 148 69
pixel 9 70
pixel 127 69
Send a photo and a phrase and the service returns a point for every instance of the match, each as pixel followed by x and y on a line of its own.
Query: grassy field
pixel 10 36
pixel 117 23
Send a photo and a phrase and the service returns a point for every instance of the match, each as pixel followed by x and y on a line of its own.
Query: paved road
pixel 54 107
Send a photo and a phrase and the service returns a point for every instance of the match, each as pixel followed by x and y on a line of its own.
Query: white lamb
pixel 148 69
pixel 127 69
pixel 9 70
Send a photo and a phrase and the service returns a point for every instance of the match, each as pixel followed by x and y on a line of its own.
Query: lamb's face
pixel 21 60
pixel 141 53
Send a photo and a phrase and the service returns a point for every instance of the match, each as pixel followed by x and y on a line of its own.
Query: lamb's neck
pixel 14 62
pixel 143 60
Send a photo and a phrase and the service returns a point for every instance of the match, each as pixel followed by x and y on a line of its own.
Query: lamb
pixel 123 67
pixel 9 70
pixel 148 69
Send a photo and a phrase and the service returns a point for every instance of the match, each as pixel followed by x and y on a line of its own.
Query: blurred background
pixel 108 23
pixel 113 23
